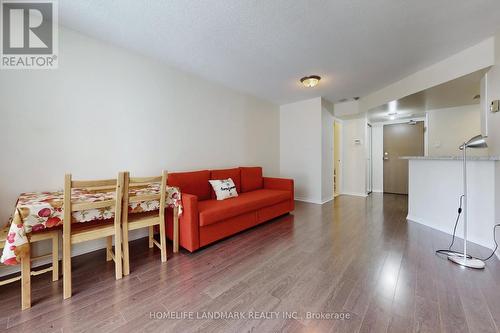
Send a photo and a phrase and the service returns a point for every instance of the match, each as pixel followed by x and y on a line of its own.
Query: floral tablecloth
pixel 37 211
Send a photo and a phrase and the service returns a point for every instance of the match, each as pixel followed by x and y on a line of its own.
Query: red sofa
pixel 206 220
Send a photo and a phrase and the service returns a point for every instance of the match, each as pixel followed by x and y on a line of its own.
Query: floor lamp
pixel 462 259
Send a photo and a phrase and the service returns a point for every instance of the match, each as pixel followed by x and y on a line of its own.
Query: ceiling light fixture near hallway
pixel 310 81
pixel 393 105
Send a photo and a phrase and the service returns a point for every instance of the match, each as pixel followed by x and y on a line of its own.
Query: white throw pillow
pixel 224 188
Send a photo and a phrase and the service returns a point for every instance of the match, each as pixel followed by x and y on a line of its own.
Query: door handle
pixel 386 156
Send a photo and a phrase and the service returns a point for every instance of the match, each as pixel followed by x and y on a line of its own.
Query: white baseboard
pixel 316 202
pixel 308 200
pixel 327 200
pixel 378 191
pixel 355 194
pixel 77 249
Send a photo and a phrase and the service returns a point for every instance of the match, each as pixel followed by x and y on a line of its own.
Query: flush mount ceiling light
pixel 310 81
pixel 393 105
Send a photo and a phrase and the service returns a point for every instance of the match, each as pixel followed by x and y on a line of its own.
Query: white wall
pixel 327 122
pixel 354 168
pixel 301 147
pixel 346 109
pixel 106 109
pixel 493 93
pixel 435 187
pixel 354 157
pixel 449 128
pixel 493 123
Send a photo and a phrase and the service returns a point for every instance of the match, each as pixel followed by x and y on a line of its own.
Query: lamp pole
pixel 465 200
pixel 462 259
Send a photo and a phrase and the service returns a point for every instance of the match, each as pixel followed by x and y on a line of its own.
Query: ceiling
pixel 264 47
pixel 459 92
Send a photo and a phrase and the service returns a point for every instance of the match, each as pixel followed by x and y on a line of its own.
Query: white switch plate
pixel 495 106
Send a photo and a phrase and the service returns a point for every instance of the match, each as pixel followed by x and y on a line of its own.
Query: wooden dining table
pixel 39 211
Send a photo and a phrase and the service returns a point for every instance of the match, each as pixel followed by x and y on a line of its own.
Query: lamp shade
pixel 478 141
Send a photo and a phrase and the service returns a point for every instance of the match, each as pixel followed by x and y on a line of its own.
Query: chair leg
pixel 109 248
pixel 151 234
pixel 26 282
pixel 163 241
pixel 118 251
pixel 55 256
pixel 126 258
pixel 176 229
pixel 66 266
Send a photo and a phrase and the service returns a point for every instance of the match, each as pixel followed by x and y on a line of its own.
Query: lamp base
pixel 467 262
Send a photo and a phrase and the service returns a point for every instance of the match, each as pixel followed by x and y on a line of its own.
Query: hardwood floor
pixel 354 256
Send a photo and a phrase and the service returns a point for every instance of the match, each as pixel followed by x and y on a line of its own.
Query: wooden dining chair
pixel 83 232
pixel 26 271
pixel 147 220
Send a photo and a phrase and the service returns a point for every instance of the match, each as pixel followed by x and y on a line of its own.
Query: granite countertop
pixel 452 158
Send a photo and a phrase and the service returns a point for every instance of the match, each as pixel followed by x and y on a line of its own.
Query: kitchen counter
pixel 435 184
pixel 452 158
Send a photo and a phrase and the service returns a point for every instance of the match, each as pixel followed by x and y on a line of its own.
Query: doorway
pixel 337 157
pixel 404 139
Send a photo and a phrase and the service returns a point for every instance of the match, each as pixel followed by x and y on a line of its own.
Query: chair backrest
pixel 131 182
pixel 71 205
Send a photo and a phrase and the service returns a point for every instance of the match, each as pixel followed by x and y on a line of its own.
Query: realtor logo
pixel 29 34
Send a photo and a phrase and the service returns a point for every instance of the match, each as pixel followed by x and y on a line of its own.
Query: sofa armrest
pixel 283 184
pixel 189 228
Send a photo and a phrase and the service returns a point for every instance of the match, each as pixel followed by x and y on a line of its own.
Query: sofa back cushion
pixel 251 179
pixel 233 173
pixel 194 182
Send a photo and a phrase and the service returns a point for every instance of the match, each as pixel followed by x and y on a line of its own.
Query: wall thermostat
pixel 495 106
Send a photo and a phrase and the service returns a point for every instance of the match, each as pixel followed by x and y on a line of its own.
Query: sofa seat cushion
pixel 212 211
